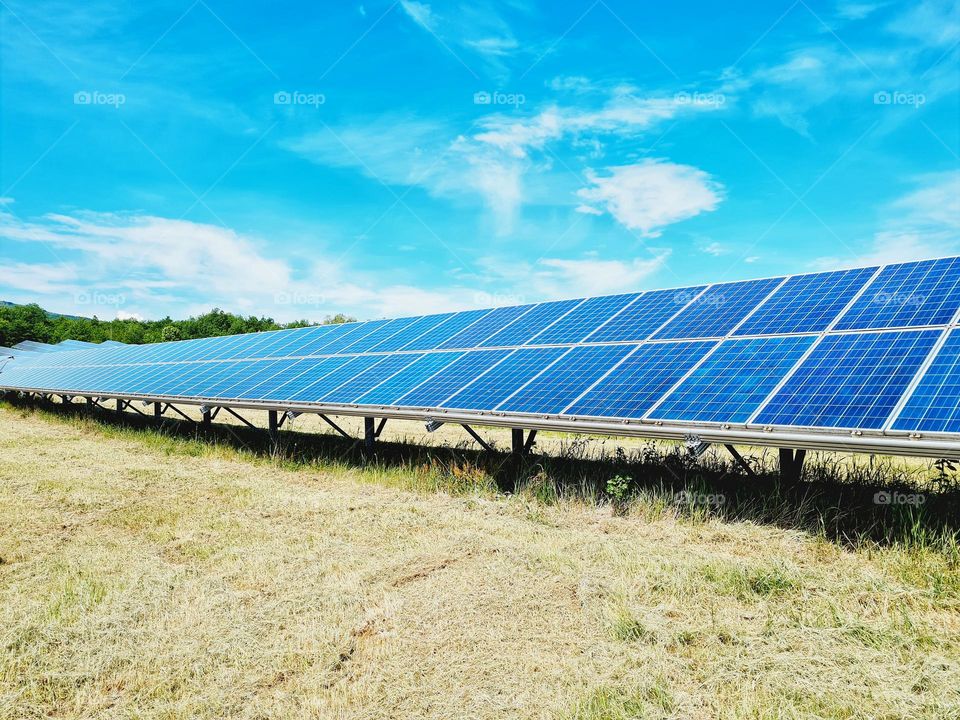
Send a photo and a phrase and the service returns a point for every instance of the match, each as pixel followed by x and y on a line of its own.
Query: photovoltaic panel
pixel 908 295
pixel 451 378
pixel 203 383
pixel 717 311
pixel 269 379
pixel 632 387
pixel 366 380
pixel 411 333
pixel 563 382
pixel 733 381
pixel 384 332
pixel 239 384
pixel 583 320
pixel 850 381
pixel 500 381
pixel 349 335
pixel 490 323
pixel 300 342
pixel 934 406
pixel 806 303
pixel 292 380
pixel 533 322
pixel 642 317
pixel 434 337
pixel 409 378
pixel 354 366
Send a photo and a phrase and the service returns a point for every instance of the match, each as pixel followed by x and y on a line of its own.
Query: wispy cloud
pixel 650 195
pixel 924 223
pixel 493 163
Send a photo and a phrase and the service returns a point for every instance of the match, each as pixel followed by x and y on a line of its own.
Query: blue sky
pixel 391 158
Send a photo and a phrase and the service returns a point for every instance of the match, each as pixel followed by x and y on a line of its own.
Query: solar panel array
pixel 872 349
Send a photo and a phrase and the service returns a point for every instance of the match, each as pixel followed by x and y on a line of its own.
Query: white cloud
pixel 127 265
pixel 653 194
pixel 715 249
pixel 494 163
pixel 420 13
pixel 934 22
pixel 857 10
pixel 556 278
pixel 924 223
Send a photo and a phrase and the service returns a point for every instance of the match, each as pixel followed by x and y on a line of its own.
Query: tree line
pixel 31 322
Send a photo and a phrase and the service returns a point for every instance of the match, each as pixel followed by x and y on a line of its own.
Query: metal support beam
pixel 531 440
pixel 178 411
pixel 473 433
pixel 369 433
pixel 336 427
pixel 206 419
pixel 273 425
pixel 383 422
pixel 120 404
pixel 791 464
pixel 740 460
pixel 516 441
pixel 238 417
pixel 157 410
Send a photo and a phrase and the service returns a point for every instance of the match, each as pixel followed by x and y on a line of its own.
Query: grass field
pixel 151 575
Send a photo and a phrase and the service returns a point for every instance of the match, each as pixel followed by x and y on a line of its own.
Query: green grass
pixel 165 574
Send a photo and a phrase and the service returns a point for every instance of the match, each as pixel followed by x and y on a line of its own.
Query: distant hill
pixel 7 303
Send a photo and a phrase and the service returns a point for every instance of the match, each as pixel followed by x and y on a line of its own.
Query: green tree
pixel 170 333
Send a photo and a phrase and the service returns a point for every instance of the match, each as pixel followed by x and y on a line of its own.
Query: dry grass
pixel 144 576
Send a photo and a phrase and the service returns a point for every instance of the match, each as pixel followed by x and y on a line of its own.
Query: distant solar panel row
pixel 864 349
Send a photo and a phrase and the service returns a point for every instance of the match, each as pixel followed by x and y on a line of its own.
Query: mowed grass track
pixel 147 577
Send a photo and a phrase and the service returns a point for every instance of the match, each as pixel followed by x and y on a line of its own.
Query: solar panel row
pixel 847 381
pixel 750 352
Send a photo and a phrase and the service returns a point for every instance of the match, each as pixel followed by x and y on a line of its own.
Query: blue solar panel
pixel 583 320
pixel 561 384
pixel 719 309
pixel 240 383
pixel 451 378
pixel 292 343
pixel 351 333
pixel 293 379
pixel 411 332
pixel 640 380
pixel 409 378
pixel 365 381
pixel 850 381
pixel 806 303
pixel 502 380
pixel 533 322
pixel 934 405
pixel 733 381
pixel 908 295
pixel 492 322
pixel 384 332
pixel 640 319
pixel 235 346
pixel 433 338
pixel 354 366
